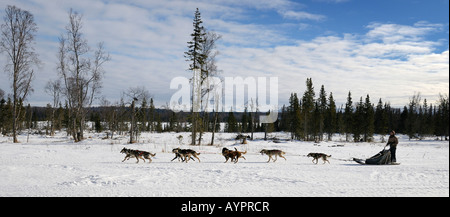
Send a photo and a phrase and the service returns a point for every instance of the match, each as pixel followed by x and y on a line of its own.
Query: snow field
pixel 55 166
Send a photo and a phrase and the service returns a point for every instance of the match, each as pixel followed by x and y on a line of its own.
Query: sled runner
pixel 382 158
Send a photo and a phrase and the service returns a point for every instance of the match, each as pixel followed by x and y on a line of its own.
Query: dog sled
pixel 382 158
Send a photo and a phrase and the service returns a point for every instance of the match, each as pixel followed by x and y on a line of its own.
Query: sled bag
pixel 384 157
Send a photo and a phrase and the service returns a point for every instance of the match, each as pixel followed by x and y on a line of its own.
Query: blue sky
pixel 388 49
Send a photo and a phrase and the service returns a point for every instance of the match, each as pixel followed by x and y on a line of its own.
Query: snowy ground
pixel 55 166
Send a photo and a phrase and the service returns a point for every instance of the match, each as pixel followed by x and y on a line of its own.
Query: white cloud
pixel 301 15
pixel 356 63
pixel 395 33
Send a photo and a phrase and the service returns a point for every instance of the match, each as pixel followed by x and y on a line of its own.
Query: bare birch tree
pixel 208 85
pixel 80 71
pixel 133 95
pixel 17 40
pixel 53 89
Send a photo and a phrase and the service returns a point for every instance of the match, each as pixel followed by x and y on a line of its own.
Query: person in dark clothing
pixel 392 142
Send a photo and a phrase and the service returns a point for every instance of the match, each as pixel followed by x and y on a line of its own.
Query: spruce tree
pixel 196 58
pixel 348 117
pixel 294 117
pixel 358 120
pixel 368 121
pixel 231 126
pixel 330 117
pixel 322 110
pixel 381 122
pixel 308 108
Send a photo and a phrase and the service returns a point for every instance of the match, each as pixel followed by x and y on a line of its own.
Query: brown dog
pixel 234 155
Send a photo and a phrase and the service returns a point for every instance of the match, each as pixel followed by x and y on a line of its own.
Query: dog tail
pixel 197 153
pixel 153 154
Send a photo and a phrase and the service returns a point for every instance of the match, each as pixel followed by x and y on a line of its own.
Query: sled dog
pixel 316 157
pixel 234 155
pixel 179 156
pixel 137 154
pixel 270 153
pixel 186 154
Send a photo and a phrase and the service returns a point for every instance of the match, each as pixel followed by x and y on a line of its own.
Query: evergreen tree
pixel 381 121
pixel 348 117
pixel 173 122
pixel 442 125
pixel 284 123
pixel 322 110
pixel 331 117
pixel 369 120
pixel 358 121
pixel 231 126
pixel 308 106
pixel 196 58
pixel 294 117
pixel 151 116
pixel 316 123
pixel 412 121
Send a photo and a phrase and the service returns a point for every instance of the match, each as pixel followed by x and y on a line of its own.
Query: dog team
pixel 186 154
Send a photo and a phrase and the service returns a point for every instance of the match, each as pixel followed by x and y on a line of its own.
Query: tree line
pixel 358 121
pixel 309 118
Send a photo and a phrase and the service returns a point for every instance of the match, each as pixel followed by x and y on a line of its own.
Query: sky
pixel 388 49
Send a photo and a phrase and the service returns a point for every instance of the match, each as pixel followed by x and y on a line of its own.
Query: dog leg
pixel 175 158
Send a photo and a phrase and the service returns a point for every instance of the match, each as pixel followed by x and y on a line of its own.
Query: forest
pixel 308 118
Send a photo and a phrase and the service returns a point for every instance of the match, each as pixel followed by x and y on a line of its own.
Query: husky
pixel 270 153
pixel 316 157
pixel 234 155
pixel 178 155
pixel 186 154
pixel 137 154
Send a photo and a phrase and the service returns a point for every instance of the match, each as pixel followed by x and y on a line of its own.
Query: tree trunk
pixel 216 116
